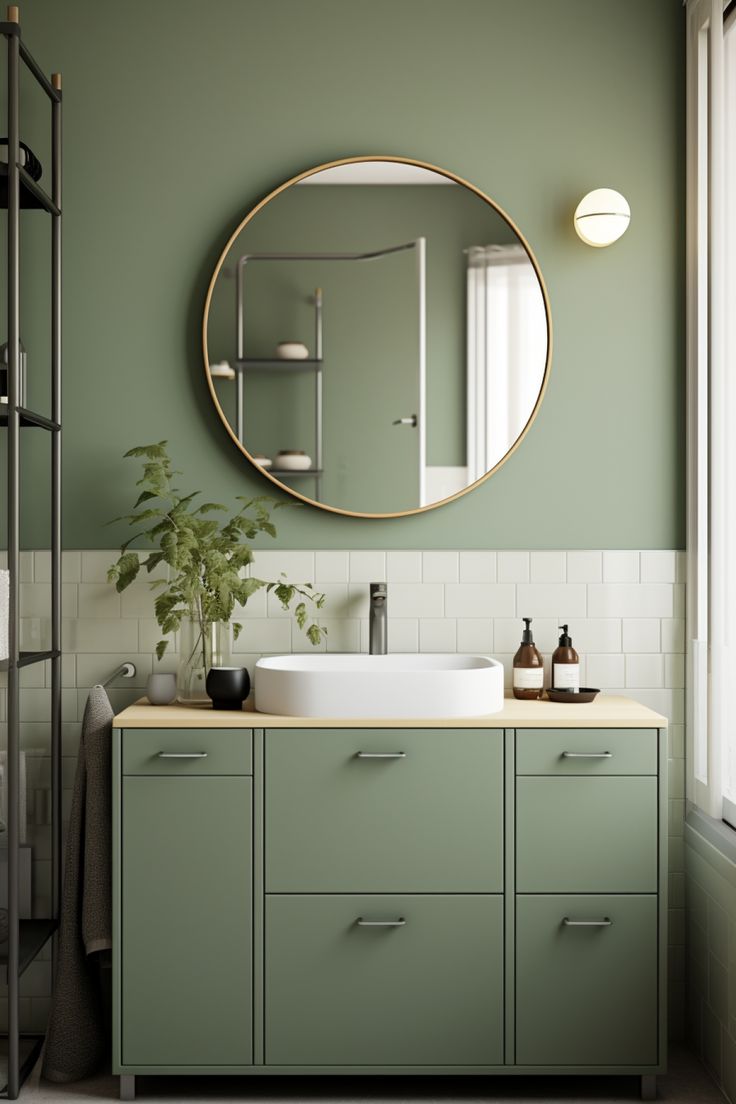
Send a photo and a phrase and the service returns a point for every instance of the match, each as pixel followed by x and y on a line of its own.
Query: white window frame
pixel 729 354
pixel 707 518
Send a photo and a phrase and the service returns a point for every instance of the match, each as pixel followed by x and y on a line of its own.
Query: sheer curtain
pixel 506 351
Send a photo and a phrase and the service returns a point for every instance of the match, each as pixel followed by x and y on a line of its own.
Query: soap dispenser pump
pixel 565 664
pixel 528 674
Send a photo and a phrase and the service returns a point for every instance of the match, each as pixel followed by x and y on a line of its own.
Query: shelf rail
pixel 26 937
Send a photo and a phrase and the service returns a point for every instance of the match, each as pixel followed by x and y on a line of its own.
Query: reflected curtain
pixel 506 350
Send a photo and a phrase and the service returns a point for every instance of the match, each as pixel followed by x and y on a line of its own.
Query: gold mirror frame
pixel 241 226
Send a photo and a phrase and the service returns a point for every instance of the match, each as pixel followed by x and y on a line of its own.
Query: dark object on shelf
pixel 573 697
pixel 228 687
pixel 28 160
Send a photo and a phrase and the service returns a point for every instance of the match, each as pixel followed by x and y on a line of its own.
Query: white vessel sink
pixel 379 686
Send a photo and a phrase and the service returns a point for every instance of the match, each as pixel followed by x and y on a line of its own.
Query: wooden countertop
pixel 607 711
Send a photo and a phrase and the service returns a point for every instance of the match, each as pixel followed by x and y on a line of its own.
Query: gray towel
pixel 77 1041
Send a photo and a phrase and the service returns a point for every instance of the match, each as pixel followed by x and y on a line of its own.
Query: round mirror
pixel 377 336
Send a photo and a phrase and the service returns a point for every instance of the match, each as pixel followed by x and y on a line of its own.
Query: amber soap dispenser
pixel 528 676
pixel 565 664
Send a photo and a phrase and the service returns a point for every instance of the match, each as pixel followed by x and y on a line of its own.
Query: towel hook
pixel 126 670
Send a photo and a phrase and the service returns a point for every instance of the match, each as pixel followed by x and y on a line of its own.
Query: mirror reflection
pixel 376 337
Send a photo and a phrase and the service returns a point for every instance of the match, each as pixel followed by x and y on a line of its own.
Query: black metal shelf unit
pixel 18 191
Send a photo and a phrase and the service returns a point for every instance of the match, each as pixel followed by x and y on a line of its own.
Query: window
pixel 711 363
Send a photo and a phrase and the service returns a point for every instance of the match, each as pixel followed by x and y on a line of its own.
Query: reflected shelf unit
pixel 243 365
pixel 19 192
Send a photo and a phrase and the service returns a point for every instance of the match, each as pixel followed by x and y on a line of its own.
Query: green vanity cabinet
pixel 317 898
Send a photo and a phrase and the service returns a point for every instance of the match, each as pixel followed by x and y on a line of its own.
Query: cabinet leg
pixel 649 1086
pixel 127 1086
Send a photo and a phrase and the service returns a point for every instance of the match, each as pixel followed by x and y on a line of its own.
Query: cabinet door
pixel 586 835
pixel 186 921
pixel 384 811
pixel 586 995
pixel 343 989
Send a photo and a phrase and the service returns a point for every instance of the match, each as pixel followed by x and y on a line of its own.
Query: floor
pixel 686 1083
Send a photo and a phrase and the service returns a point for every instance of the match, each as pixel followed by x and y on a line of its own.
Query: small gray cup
pixel 161 688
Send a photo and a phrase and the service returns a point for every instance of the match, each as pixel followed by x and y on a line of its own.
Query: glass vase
pixel 202 644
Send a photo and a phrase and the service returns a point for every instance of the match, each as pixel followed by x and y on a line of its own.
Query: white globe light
pixel 601 217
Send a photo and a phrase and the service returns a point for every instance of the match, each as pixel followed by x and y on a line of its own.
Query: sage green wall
pixel 179 115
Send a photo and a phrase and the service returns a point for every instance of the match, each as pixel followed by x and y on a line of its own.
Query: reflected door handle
pixel 411 420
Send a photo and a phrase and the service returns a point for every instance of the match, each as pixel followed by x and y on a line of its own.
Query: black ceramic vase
pixel 228 686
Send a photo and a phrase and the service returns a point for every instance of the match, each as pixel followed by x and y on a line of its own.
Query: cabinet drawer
pixel 384 811
pixel 586 751
pixel 586 835
pixel 185 751
pixel 586 996
pixel 429 991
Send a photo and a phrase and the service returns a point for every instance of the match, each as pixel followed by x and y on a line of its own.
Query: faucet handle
pixel 378 591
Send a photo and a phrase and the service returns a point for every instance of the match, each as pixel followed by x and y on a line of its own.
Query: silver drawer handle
pixel 380 755
pixel 400 923
pixel 606 922
pixel 587 755
pixel 182 755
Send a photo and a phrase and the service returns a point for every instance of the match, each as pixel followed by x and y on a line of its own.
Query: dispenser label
pixel 528 678
pixel 566 675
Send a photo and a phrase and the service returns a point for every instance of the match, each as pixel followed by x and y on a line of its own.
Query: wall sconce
pixel 601 217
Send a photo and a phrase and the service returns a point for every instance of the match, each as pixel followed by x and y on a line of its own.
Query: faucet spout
pixel 378 619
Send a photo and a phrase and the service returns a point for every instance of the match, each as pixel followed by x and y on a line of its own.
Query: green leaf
pixel 149 451
pixel 161 649
pixel 126 570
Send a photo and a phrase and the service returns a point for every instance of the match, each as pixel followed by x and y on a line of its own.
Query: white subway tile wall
pixel 709 965
pixel 625 610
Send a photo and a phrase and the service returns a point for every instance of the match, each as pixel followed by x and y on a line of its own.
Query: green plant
pixel 205 556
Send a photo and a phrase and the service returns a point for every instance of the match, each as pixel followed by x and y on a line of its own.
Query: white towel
pixel 4 613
